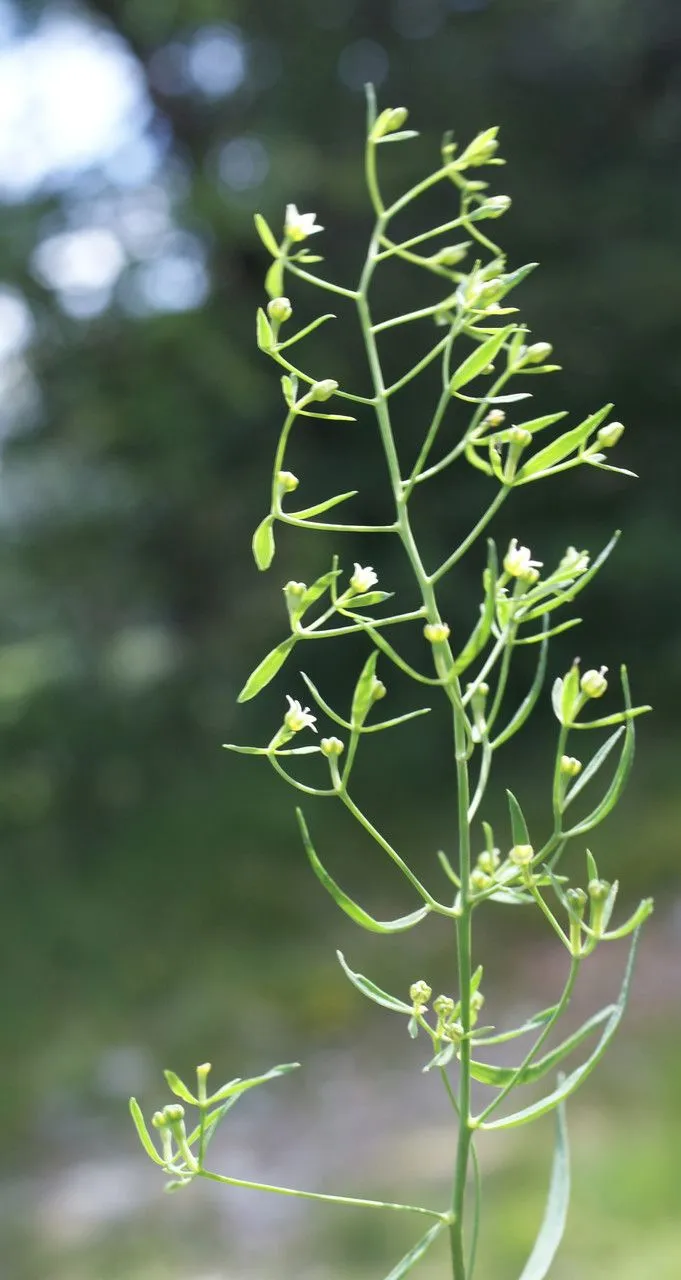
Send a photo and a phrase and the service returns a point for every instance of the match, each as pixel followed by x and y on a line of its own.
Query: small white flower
pixel 518 562
pixel 298 717
pixel 298 226
pixel 574 562
pixel 363 579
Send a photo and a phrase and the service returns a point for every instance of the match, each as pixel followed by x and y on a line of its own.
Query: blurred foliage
pixel 136 433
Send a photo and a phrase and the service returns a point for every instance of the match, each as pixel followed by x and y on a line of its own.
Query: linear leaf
pixel 143 1133
pixel 517 721
pixel 240 1086
pixel 561 448
pixel 557 1204
pixel 489 1073
pixel 179 1088
pixel 479 359
pixel 582 581
pixel 362 697
pixel 371 991
pixel 537 1020
pixel 593 766
pixel 481 631
pixel 518 824
pixel 267 669
pixel 274 280
pixel 320 507
pixel 266 234
pixel 574 1080
pixel 346 904
pixel 414 1255
pixel 618 783
pixel 264 333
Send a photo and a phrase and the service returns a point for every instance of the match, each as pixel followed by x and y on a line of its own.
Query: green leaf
pixel 346 904
pixel 264 334
pixel 532 1024
pixel 552 1228
pixel 442 1057
pixel 368 598
pixel 143 1133
pixel 593 766
pixel 408 1262
pixel 481 631
pixel 267 669
pixel 240 1086
pixel 533 425
pixel 317 589
pixel 527 705
pixel 561 448
pixel 263 543
pixel 179 1088
pixel 570 694
pixel 581 582
pixel 266 235
pixel 519 830
pixel 576 1077
pixel 618 783
pixel 274 280
pixel 362 699
pixel 499 1077
pixel 320 507
pixel 401 136
pixel 479 359
pixel 372 992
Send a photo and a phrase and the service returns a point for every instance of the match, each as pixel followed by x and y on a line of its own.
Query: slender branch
pixel 353 1201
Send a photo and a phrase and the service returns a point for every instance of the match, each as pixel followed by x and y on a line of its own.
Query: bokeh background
pixel 155 906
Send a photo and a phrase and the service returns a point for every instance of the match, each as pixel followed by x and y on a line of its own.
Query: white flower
pixel 298 717
pixel 518 562
pixel 574 562
pixel 363 579
pixel 298 226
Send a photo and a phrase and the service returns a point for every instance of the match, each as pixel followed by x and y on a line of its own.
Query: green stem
pixel 472 536
pixel 444 665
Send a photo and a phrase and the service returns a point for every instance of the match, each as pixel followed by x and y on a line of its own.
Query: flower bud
pixel 436 632
pixel 173 1112
pixel 518 562
pixel 287 481
pixel 488 861
pixel 599 892
pixel 159 1120
pixel 519 436
pixel 451 255
pixel 279 309
pixel 420 993
pixel 521 855
pixel 594 683
pixel 479 880
pixel 477 1002
pixel 331 747
pixel 295 589
pixel 538 352
pixel 570 766
pixel 574 562
pixel 323 390
pixel 378 691
pixel 389 121
pixel 577 899
pixel 443 1006
pixel 480 150
pixel 494 418
pixel 494 207
pixel 610 434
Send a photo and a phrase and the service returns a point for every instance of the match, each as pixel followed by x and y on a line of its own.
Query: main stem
pixel 444 663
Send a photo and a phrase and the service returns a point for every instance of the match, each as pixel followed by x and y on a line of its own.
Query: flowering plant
pixel 468 667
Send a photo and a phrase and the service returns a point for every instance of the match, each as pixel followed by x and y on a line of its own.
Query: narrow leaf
pixel 414 1255
pixel 266 235
pixel 481 631
pixel 240 1086
pixel 263 543
pixel 346 904
pixel 593 766
pixel 582 581
pixel 371 991
pixel 267 669
pixel 362 698
pixel 320 507
pixel 143 1133
pixel 618 783
pixel 479 359
pixel 553 1224
pixel 369 598
pixel 576 1077
pixel 489 1073
pixel 317 589
pixel 561 448
pixel 264 334
pixel 179 1088
pixel 537 1020
pixel 518 824
pixel 274 280
pixel 527 705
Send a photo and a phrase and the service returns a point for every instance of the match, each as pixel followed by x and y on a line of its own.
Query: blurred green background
pixel 155 906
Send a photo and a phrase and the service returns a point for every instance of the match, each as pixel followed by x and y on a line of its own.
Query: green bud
pixel 295 589
pixel 570 766
pixel 519 436
pixel 451 255
pixel 323 390
pixel 521 855
pixel 599 890
pixel 494 207
pixel 594 683
pixel 488 861
pixel 610 434
pixel 287 482
pixel 173 1112
pixel 577 899
pixel 479 880
pixel 389 121
pixel 279 309
pixel 159 1120
pixel 443 1006
pixel 477 1002
pixel 436 632
pixel 378 691
pixel 537 353
pixel 494 418
pixel 420 993
pixel 480 150
pixel 331 747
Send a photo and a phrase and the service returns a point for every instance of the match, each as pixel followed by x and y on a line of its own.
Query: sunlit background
pixel 156 908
